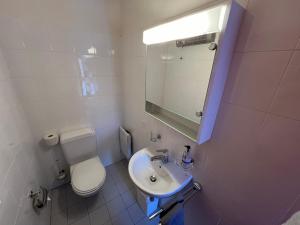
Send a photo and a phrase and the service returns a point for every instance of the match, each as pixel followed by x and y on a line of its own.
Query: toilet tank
pixel 79 145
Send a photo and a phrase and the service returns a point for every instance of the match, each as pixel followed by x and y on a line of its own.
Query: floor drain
pixel 153 178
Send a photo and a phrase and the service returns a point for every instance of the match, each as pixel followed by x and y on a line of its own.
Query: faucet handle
pixel 165 151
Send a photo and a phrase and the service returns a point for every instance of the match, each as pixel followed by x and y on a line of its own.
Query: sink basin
pixel 155 178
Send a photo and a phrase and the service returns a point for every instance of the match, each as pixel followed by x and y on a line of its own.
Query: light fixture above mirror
pixel 203 22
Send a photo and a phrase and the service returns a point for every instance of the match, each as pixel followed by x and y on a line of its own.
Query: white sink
pixel 170 178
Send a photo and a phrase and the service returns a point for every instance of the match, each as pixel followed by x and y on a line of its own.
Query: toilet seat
pixel 87 176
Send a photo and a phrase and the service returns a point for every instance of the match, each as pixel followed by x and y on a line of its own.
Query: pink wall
pixel 250 169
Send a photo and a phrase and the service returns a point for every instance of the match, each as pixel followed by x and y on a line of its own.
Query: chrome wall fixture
pixel 202 39
pixel 39 198
pixel 155 137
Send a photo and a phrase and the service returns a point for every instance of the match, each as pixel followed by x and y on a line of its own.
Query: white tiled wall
pixel 21 167
pixel 61 85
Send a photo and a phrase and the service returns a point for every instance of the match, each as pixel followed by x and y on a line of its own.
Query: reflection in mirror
pixel 177 78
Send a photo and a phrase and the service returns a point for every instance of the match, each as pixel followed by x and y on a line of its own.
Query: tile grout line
pixel 275 93
pixel 110 216
pixel 266 51
pixel 259 110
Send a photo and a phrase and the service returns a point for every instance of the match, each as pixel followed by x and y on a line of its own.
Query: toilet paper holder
pixel 51 139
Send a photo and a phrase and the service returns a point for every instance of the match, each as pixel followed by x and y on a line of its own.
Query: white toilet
pixel 86 170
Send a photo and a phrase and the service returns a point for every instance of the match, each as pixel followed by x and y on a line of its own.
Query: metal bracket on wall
pixel 155 138
pixel 39 198
pixel 199 114
pixel 212 46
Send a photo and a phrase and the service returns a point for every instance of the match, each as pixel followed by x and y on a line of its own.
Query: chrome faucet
pixel 163 157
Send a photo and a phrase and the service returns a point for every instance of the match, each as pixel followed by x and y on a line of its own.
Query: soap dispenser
pixel 187 161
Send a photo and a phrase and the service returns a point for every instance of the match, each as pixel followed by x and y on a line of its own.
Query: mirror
pixel 178 74
pixel 186 68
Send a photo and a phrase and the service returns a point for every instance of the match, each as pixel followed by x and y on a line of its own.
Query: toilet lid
pixel 87 175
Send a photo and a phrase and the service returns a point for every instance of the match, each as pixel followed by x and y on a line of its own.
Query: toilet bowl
pixel 87 177
pixel 86 170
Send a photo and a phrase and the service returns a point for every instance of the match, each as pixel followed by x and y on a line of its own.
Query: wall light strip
pixel 204 22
